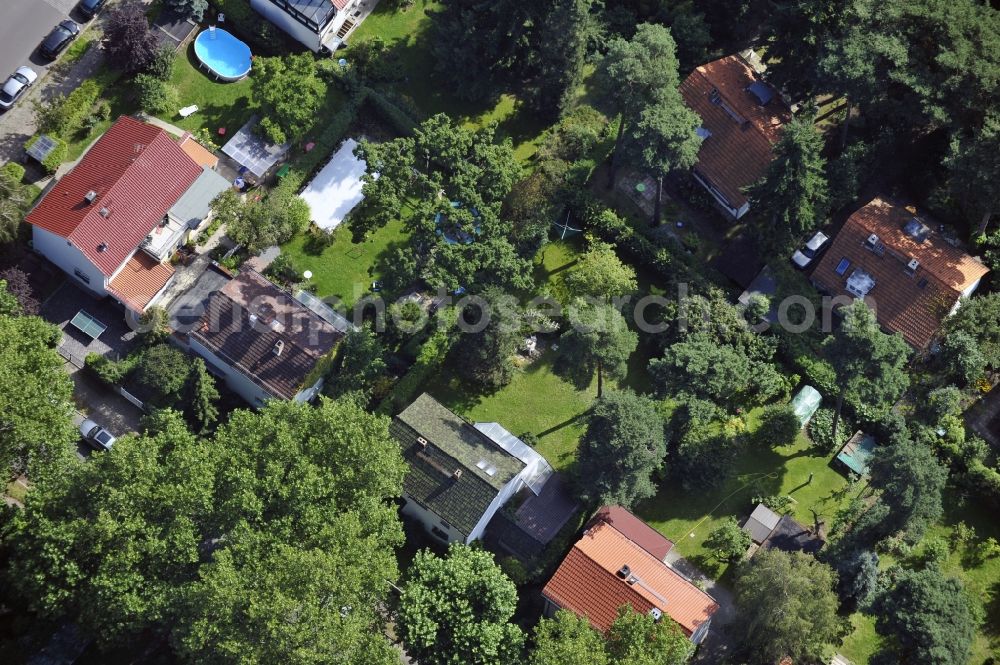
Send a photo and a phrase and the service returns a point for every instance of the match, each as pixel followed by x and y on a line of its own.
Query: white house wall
pixel 61 252
pixel 277 16
pixel 429 520
pixel 236 380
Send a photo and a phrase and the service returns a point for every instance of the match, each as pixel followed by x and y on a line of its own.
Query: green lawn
pixel 345 269
pixel 219 104
pixel 688 516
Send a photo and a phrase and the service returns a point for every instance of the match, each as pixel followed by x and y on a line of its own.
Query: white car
pixel 15 86
pixel 802 258
pixel 96 436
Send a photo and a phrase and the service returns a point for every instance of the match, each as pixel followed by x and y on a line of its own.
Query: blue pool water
pixel 222 54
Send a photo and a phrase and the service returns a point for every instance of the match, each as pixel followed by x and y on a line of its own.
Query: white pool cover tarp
pixel 337 188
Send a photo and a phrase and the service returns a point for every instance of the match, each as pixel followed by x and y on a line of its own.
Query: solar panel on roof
pixel 42 147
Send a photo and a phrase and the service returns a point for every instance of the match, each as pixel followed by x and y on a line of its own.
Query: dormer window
pixel 703 133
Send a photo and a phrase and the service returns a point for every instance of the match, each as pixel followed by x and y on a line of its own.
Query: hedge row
pixel 613 229
pixel 429 361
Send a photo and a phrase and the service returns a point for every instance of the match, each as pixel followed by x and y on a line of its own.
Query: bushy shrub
pixel 13 171
pixel 779 503
pixel 111 372
pixel 821 430
pixel 154 96
pixel 162 64
pixel 778 426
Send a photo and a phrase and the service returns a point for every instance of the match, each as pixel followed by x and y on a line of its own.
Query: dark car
pixel 59 39
pixel 89 8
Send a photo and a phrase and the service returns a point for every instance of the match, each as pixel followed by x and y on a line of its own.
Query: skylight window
pixel 843 266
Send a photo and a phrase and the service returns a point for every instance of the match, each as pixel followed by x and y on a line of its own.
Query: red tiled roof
pixel 139 280
pixel 737 154
pixel 339 4
pixel 635 530
pixel 911 304
pixel 199 153
pixel 138 173
pixel 587 582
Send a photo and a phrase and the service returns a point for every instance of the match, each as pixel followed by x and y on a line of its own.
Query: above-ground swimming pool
pixel 226 57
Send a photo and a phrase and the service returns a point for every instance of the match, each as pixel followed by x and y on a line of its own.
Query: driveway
pixel 96 401
pixel 718 643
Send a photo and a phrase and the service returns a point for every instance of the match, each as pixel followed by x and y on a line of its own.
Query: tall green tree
pixel 567 639
pixel 635 638
pixel 911 481
pixel 927 618
pixel 457 610
pixel 36 428
pixel 793 195
pixel 360 362
pixel 455 181
pixel 870 364
pixel 203 396
pixel 599 340
pixel 242 548
pixel 974 175
pixel 663 140
pixel 559 49
pixel 129 44
pixel 623 446
pixel 979 318
pixel 797 32
pixel 188 8
pixel 634 75
pixel 288 91
pixel 477 44
pixel 486 357
pixel 109 543
pixel 787 607
pixel 600 274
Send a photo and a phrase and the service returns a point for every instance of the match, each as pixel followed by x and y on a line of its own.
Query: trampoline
pixel 222 54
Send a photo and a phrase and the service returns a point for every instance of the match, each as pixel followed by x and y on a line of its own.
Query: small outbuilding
pixel 857 453
pixel 761 523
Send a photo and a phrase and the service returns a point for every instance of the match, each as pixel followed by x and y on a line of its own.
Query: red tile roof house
pixel 620 561
pixel 910 275
pixel 113 220
pixel 741 120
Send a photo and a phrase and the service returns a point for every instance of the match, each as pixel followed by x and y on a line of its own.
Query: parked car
pixel 96 436
pixel 15 86
pixel 803 258
pixel 60 37
pixel 89 8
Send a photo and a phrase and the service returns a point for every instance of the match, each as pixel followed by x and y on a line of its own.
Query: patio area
pixel 115 342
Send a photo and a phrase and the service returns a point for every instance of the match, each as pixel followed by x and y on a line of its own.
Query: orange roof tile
pixel 139 280
pixel 743 132
pixel 910 303
pixel 200 154
pixel 587 583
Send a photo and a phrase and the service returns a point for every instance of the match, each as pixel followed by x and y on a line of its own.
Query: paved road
pixel 23 24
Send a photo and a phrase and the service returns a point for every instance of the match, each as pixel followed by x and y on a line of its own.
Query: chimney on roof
pixel 625 572
pixel 912 266
pixel 279 346
pixel 422 442
pixel 103 247
pixel 90 196
pixel 457 474
pixel 656 613
pixel 105 212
